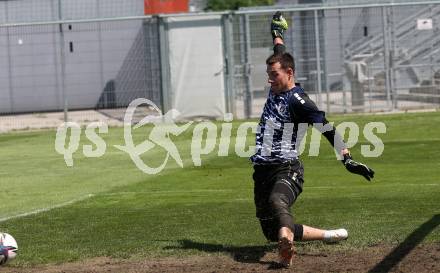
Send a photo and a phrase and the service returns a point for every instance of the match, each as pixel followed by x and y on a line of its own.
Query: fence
pixel 350 59
pixel 362 58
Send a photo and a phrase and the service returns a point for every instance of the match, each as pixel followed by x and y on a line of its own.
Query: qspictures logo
pixel 206 137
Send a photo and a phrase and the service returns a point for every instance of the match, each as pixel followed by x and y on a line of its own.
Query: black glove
pixel 278 25
pixel 357 167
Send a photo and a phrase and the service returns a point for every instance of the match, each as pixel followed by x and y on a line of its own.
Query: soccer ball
pixel 8 248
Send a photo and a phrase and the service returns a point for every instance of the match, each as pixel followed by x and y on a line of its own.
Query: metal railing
pixel 353 58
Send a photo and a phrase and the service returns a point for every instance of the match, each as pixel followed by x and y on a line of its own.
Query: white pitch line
pixel 46 209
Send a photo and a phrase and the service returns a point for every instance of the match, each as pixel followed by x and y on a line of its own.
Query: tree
pixel 218 5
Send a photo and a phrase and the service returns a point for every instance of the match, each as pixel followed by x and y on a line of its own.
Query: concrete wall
pixel 106 63
pixel 48 10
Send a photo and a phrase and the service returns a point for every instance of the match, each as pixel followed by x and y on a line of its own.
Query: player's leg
pixel 280 200
pixel 312 234
pixel 262 188
pixel 271 229
pixel 287 187
pixel 330 236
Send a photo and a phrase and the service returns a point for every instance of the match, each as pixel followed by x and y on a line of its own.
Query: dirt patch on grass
pixel 425 258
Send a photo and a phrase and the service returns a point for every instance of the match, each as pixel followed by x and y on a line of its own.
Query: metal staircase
pixel 412 46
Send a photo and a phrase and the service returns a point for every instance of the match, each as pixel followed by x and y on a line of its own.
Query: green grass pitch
pixel 107 207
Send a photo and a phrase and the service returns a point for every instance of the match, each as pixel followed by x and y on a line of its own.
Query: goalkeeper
pixel 278 172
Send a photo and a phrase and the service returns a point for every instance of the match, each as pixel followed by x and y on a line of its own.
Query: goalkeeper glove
pixel 357 167
pixel 278 25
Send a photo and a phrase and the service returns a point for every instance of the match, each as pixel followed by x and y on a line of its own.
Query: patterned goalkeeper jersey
pixel 282 125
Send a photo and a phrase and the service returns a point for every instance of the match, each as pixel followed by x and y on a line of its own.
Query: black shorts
pixel 267 177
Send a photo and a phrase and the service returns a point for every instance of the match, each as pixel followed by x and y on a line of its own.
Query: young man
pixel 278 172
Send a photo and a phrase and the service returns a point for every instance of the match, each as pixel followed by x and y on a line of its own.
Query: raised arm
pixel 277 28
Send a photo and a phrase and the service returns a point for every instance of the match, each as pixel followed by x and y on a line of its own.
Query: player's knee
pixel 279 203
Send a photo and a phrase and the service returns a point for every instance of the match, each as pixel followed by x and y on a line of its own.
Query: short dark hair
pixel 285 59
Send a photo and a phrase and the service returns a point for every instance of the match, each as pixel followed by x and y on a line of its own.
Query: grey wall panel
pixel 47 10
pixel 33 69
pixel 5 104
pixel 116 8
pixel 79 9
pixel 82 9
pixel 95 54
pixel 123 50
pixel 31 10
pixel 117 39
pixel 152 61
pixel 2 11
pixel 83 72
